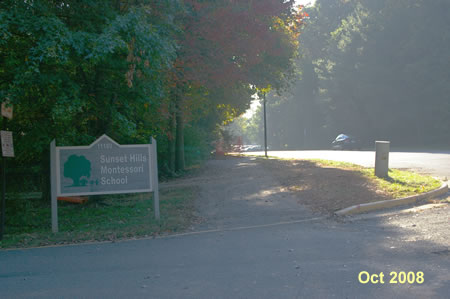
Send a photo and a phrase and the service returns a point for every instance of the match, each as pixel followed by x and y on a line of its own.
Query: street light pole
pixel 265 125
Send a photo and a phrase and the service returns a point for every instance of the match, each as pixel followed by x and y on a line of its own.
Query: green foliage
pixel 75 70
pixel 78 69
pixel 197 144
pixel 373 69
pixel 388 61
pixel 249 128
pixel 79 74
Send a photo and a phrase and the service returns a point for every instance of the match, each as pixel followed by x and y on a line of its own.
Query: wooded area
pixel 379 70
pixel 175 70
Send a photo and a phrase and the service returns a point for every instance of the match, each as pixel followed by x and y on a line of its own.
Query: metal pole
pixel 265 126
pixel 3 213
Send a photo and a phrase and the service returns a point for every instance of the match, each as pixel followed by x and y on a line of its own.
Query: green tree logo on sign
pixel 77 168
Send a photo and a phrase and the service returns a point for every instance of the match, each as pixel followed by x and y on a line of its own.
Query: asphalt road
pixel 309 259
pixel 435 163
pixel 313 257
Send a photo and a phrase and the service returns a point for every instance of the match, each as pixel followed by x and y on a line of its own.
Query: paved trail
pixel 240 192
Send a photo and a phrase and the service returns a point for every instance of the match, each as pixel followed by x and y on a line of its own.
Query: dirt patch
pixel 240 191
pixel 323 189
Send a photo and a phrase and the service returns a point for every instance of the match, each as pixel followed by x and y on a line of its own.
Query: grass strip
pixel 398 184
pixel 102 218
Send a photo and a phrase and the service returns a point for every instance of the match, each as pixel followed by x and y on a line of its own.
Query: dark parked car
pixel 346 142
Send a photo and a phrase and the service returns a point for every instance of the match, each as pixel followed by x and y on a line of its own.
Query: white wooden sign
pixel 7 144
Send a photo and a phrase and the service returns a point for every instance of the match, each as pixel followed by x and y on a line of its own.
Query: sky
pixel 298 2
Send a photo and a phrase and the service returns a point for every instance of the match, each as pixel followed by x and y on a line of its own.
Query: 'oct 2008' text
pixel 401 277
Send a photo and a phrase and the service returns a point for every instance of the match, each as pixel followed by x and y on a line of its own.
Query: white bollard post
pixel 382 159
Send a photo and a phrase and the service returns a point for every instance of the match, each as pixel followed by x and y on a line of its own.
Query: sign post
pixel 155 178
pixel 265 127
pixel 104 167
pixel 7 151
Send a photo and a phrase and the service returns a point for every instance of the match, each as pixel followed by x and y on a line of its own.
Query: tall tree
pixel 232 48
pixel 77 69
pixel 381 71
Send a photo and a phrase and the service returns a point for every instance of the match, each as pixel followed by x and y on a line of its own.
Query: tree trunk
pixel 179 151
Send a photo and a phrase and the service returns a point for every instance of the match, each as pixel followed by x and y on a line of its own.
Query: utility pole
pixel 265 125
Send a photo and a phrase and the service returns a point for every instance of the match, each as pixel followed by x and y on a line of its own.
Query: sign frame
pixel 55 166
pixel 58 165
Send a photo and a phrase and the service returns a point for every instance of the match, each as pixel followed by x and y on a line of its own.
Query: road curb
pixel 378 205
